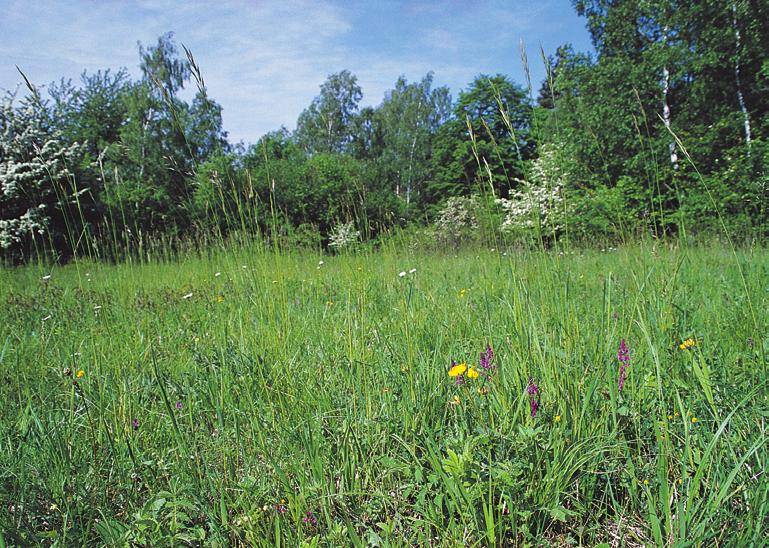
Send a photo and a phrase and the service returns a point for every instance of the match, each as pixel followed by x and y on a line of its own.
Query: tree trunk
pixel 740 96
pixel 666 106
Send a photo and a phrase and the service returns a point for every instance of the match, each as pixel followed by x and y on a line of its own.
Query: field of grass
pixel 295 399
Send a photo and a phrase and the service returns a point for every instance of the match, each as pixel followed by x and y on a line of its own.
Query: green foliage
pixel 326 125
pixel 486 141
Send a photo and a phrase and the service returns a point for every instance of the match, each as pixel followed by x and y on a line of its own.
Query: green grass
pixel 326 387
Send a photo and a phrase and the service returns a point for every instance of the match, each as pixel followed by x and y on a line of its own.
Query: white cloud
pixel 263 61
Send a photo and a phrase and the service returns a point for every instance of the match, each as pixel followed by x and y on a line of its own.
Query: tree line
pixel 661 130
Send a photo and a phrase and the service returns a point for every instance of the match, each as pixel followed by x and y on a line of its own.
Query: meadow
pixel 255 397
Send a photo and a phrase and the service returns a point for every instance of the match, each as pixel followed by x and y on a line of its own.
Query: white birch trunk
pixel 666 106
pixel 740 96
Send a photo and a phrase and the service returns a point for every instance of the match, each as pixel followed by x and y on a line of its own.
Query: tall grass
pixel 283 387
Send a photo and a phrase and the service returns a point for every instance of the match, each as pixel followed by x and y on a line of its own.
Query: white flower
pixel 320 263
pixel 48 277
pixel 187 296
pixel 217 274
pixel 402 274
pixel 412 270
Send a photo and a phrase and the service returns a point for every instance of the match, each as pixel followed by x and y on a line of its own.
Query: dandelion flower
pixel 457 370
pixel 472 373
pixel 80 374
pixel 646 482
pixel 694 419
pixel 558 418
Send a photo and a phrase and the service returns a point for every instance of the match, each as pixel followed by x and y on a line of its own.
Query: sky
pixel 264 60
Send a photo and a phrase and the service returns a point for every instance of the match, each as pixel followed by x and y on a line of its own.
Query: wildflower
pixel 694 419
pixel 483 390
pixel 67 372
pixel 310 519
pixel 646 482
pixel 80 374
pixel 454 400
pixel 187 296
pixel 680 481
pixel 670 417
pixel 179 405
pixel 472 373
pixel 687 344
pixel 220 299
pixel 533 391
pixel 457 369
pixel 281 507
pixel 534 407
pixel 623 355
pixel 412 270
pixel 558 418
pixel 532 388
pixel 217 274
pixel 401 274
pixel 462 292
pixel 48 277
pixel 135 424
pixel 487 360
pixel 320 263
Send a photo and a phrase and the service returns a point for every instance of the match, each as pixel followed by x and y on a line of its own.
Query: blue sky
pixel 264 60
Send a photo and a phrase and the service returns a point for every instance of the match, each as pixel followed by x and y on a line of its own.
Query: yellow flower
pixel 670 417
pixel 220 299
pixel 472 373
pixel 80 374
pixel 680 481
pixel 454 400
pixel 688 343
pixel 694 419
pixel 462 292
pixel 458 370
pixel 558 418
pixel 646 482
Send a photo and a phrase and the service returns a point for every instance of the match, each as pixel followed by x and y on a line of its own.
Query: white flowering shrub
pixel 458 220
pixel 538 201
pixel 35 167
pixel 343 235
